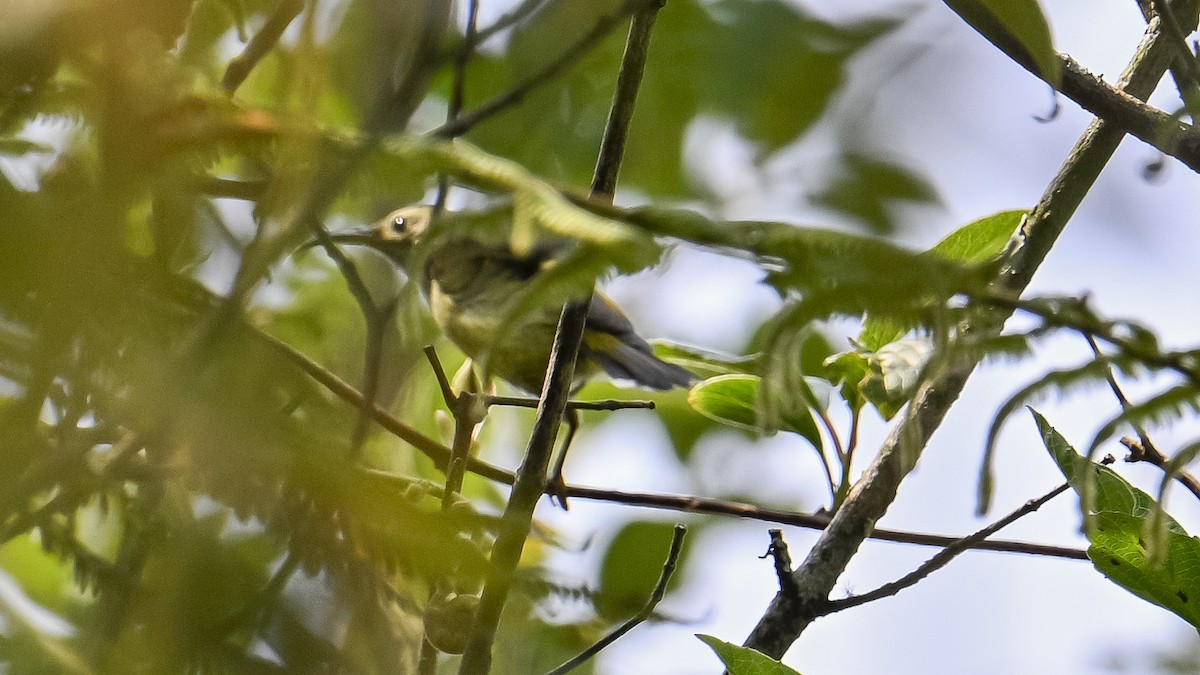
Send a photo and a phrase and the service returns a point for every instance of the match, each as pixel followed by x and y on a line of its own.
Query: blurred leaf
pixel 703 362
pixel 895 370
pixel 743 660
pixel 632 566
pixel 972 244
pixel 698 62
pixel 866 187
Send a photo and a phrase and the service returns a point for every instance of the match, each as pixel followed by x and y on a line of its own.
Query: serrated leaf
pixel 743 660
pixel 1020 26
pixel 1118 529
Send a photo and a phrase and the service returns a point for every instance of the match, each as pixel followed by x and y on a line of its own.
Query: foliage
pixel 1134 543
pixel 189 483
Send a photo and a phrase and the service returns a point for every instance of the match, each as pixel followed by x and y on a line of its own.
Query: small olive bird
pixel 469 280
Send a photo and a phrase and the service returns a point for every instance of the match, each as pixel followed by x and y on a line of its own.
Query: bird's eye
pixel 399 224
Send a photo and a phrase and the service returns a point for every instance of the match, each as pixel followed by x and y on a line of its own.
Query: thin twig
pixel 1142 449
pixel 458 93
pixel 1140 452
pixel 531 477
pixel 261 44
pixel 689 504
pixel 375 318
pixel 656 596
pixel 518 92
pixel 943 557
pixel 604 404
pixel 513 17
pixel 1184 68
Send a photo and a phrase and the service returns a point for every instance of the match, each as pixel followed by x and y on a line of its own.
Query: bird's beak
pixel 369 237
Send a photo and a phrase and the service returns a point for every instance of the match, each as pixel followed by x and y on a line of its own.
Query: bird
pixel 468 278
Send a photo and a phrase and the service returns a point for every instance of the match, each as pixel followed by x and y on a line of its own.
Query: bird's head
pixel 394 235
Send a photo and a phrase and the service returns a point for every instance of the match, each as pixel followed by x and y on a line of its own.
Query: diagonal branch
pixel 531 476
pixel 787 617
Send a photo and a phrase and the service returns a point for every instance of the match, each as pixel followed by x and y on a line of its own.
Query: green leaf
pixel 975 243
pixel 1122 523
pixel 743 660
pixel 703 362
pixel 1119 552
pixel 697 65
pixel 733 400
pixel 1113 493
pixel 981 240
pixel 1020 27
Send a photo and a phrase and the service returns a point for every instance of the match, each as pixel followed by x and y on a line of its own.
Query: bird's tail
pixel 625 360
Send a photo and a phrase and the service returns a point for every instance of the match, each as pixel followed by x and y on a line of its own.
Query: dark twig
pixel 778 551
pixel 689 504
pixel 656 596
pixel 519 91
pixel 261 44
pixel 1142 449
pixel 375 318
pixel 513 17
pixel 1139 451
pixel 943 557
pixel 458 93
pixel 531 478
pixel 606 404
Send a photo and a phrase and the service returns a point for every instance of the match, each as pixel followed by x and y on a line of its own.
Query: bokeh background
pixel 888 118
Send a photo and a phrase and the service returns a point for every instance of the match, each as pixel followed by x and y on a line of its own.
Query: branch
pixel 689 504
pixel 531 476
pixel 943 557
pixel 778 551
pixel 787 617
pixel 261 44
pixel 441 455
pixel 656 596
pixel 1124 109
